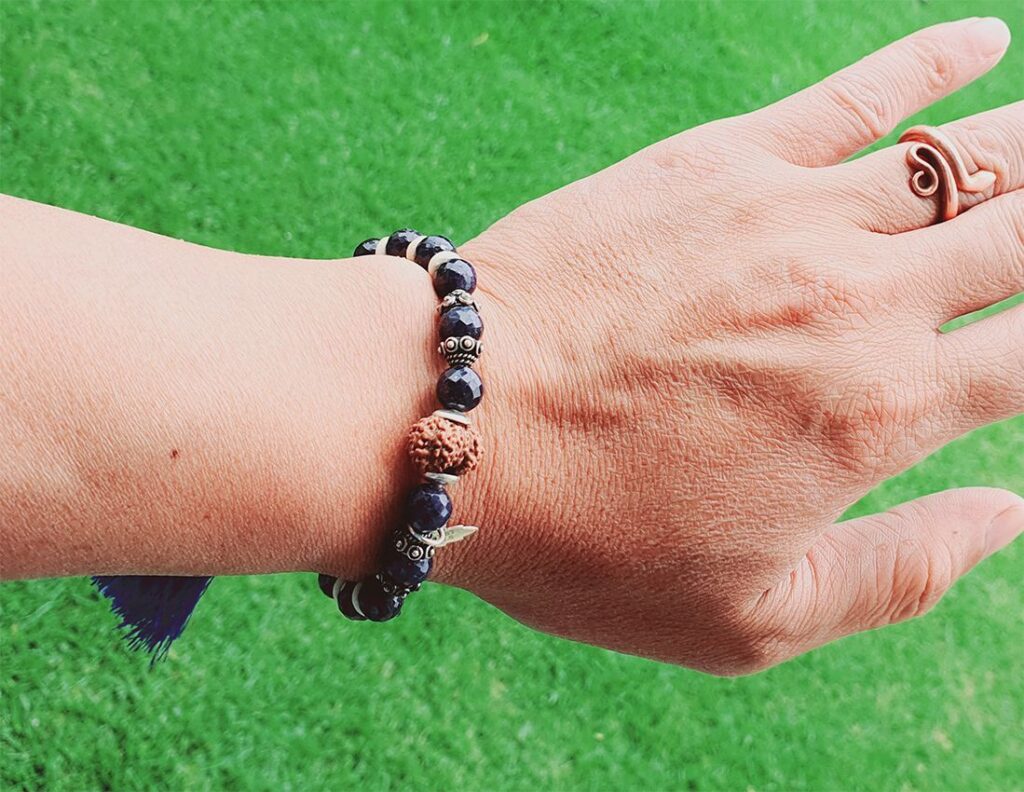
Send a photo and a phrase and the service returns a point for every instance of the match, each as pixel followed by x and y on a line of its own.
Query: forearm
pixel 171 409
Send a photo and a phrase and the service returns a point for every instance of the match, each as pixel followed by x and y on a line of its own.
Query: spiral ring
pixel 936 163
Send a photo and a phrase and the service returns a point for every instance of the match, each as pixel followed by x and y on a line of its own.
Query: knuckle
pixel 870 111
pixel 937 62
pixel 920 577
pixel 864 427
pixel 815 293
pixel 991 146
pixel 696 158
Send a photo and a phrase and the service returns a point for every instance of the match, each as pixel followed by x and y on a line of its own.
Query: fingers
pixel 839 116
pixel 966 264
pixel 877 187
pixel 985 361
pixel 885 568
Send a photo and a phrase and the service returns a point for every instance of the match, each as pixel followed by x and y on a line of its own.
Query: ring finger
pixel 877 187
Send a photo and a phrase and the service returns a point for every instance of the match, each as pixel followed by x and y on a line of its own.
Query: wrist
pixel 491 496
pixel 376 356
pixel 384 384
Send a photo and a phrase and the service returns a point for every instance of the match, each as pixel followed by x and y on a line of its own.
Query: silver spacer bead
pixel 453 415
pixel 460 350
pixel 457 297
pixel 444 479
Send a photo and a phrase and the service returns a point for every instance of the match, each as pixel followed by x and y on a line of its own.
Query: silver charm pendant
pixel 456 533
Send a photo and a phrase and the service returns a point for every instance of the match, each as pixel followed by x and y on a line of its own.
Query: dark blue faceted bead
pixel 345 602
pixel 366 248
pixel 431 246
pixel 326 583
pixel 460 388
pixel 377 604
pixel 428 508
pixel 461 321
pixel 454 274
pixel 399 241
pixel 407 571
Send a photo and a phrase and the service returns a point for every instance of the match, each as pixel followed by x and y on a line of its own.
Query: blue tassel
pixel 153 610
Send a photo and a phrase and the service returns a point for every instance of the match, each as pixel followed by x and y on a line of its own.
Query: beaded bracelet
pixel 442 445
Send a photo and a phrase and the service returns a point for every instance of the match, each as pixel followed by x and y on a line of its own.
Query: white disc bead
pixel 440 258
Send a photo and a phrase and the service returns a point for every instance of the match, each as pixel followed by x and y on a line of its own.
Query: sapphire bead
pixel 452 275
pixel 366 248
pixel 399 241
pixel 429 247
pixel 428 508
pixel 460 389
pixel 377 604
pixel 326 583
pixel 461 321
pixel 406 571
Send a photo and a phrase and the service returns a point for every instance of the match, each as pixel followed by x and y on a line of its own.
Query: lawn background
pixel 297 129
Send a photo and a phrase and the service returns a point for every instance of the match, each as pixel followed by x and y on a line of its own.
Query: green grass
pixel 297 129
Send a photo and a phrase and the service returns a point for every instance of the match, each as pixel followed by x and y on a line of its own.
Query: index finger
pixel 827 122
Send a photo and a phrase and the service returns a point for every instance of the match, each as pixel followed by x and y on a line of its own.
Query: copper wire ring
pixel 936 163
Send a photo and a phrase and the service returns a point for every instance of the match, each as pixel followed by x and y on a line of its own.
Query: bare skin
pixel 696 359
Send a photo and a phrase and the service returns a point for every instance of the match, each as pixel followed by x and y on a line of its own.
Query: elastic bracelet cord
pixel 443 445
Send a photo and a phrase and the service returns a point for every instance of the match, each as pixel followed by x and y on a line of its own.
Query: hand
pixel 700 356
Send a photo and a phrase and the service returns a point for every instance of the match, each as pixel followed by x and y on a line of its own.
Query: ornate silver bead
pixel 413 547
pixel 460 350
pixel 457 297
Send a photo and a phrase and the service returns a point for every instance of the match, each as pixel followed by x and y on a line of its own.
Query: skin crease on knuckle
pixel 647 412
pixel 870 111
pixel 868 99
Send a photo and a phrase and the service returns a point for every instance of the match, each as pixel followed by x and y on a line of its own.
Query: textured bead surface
pixel 428 508
pixel 366 248
pixel 440 446
pixel 461 321
pixel 377 604
pixel 454 274
pixel 326 583
pixel 429 246
pixel 460 389
pixel 399 241
pixel 407 571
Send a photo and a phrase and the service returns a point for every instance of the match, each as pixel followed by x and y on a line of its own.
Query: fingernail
pixel 990 35
pixel 1004 528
